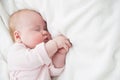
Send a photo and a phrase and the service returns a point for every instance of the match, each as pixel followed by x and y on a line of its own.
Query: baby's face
pixel 33 29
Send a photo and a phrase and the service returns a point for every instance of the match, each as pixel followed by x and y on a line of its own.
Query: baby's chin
pixel 32 45
pixel 45 41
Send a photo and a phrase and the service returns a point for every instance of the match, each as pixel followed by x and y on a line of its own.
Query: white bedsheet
pixel 93 26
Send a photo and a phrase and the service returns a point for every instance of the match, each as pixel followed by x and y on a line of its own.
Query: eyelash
pixel 37 29
pixel 45 29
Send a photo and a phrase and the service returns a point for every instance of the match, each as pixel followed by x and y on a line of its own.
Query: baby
pixel 34 55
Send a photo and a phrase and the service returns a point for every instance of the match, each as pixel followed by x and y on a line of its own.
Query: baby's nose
pixel 44 32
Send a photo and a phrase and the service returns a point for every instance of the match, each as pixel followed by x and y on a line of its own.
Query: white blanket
pixel 93 27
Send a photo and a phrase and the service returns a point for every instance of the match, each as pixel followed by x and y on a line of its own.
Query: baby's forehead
pixel 25 18
pixel 24 13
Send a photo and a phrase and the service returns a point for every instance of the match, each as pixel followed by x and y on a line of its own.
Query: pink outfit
pixel 30 64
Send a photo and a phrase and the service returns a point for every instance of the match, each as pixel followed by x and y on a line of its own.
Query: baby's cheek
pixel 38 40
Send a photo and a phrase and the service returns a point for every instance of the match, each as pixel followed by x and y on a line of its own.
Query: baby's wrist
pixel 56 44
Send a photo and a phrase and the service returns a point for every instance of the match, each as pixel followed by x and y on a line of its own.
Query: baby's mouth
pixel 46 40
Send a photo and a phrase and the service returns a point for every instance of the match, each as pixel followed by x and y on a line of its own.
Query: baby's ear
pixel 17 36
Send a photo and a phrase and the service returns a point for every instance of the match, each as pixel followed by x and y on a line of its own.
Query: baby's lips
pixel 46 39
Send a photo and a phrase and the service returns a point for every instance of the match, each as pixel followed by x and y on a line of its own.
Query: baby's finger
pixel 66 47
pixel 68 43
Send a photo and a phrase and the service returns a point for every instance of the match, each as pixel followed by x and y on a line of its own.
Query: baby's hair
pixel 12 21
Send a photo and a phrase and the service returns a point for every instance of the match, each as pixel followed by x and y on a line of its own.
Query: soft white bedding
pixel 93 26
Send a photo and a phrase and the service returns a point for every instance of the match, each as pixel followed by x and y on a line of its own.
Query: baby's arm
pixel 58 60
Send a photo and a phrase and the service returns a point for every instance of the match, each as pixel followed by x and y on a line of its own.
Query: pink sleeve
pixel 25 59
pixel 55 71
pixel 43 54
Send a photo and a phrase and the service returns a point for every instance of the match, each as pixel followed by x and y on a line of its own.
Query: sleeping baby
pixel 34 54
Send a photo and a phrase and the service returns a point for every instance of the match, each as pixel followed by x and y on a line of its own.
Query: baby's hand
pixel 62 42
pixel 64 45
pixel 58 43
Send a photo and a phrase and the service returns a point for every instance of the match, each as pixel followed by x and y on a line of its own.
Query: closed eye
pixel 37 29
